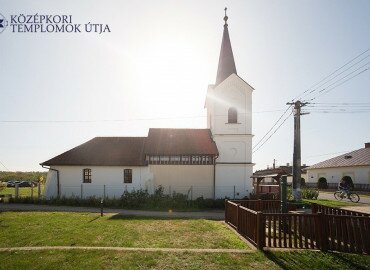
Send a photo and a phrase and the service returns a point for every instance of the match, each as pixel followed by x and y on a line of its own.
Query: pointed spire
pixel 226 63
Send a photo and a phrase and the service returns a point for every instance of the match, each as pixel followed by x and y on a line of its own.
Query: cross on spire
pixel 225 18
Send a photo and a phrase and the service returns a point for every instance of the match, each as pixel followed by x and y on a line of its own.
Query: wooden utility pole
pixel 297 148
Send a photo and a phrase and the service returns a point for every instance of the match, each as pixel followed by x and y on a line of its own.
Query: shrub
pixel 137 199
pixel 322 183
pixel 2 186
pixel 310 193
pixel 348 180
pixel 303 182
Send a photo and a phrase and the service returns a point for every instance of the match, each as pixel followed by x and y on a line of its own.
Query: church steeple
pixel 226 63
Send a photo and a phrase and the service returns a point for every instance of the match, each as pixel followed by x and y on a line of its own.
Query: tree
pixel 322 183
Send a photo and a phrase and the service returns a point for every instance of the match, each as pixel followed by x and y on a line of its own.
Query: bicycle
pixel 341 194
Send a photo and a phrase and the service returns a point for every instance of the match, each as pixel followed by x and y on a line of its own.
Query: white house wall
pixel 359 175
pixel 71 181
pixel 192 180
pixel 233 180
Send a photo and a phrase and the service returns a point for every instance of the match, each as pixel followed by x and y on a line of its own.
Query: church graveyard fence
pixel 327 228
pixel 33 192
pixel 116 191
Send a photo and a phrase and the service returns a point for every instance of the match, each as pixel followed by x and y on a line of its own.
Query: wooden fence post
pixel 31 191
pixel 237 216
pixel 81 191
pixel 314 208
pixel 16 191
pixel 260 231
pixel 322 231
pixel 39 190
pixel 226 217
pixel 260 206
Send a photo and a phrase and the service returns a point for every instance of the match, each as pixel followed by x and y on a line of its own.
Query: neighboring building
pixel 213 163
pixel 283 170
pixel 355 164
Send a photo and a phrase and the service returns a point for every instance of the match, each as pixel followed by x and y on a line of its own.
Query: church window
pixel 127 176
pixel 87 175
pixel 232 116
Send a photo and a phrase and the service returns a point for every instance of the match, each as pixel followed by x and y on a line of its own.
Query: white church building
pixel 214 163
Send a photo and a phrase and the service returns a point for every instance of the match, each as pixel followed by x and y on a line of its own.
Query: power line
pixel 322 84
pixel 328 76
pixel 4 165
pixel 271 127
pixel 332 88
pixel 328 154
pixel 117 120
pixel 274 132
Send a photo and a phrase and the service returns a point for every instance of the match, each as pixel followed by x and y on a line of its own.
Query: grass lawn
pixel 89 229
pixel 332 203
pixel 23 191
pixel 86 229
pixel 81 259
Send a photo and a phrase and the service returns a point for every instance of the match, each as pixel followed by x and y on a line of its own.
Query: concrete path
pixel 216 215
pixel 330 196
pixel 193 250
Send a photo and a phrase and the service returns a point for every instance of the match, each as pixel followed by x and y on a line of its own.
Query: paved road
pixel 216 215
pixel 330 196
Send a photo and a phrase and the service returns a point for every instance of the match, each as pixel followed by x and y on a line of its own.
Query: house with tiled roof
pixel 215 162
pixel 355 164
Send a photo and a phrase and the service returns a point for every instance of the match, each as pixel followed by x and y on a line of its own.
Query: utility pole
pixel 297 148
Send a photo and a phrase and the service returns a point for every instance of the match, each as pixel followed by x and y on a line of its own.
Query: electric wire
pixel 4 165
pixel 277 121
pixel 273 132
pixel 332 73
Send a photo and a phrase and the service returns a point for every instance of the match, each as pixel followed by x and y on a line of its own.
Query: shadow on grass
pixel 134 217
pixel 301 260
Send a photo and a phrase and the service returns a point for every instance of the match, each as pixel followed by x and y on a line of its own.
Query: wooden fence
pixel 320 230
pixel 335 211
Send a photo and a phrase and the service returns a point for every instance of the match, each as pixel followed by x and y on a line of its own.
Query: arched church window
pixel 232 116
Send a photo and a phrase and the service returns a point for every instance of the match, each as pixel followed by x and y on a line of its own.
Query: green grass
pixel 88 229
pixel 23 191
pixel 331 203
pixel 312 260
pixel 83 259
pixel 78 259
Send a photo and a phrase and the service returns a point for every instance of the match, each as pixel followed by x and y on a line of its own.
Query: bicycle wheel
pixel 354 197
pixel 338 195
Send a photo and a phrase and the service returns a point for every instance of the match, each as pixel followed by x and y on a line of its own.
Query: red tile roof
pixel 131 151
pixel 360 157
pixel 168 141
pixel 104 151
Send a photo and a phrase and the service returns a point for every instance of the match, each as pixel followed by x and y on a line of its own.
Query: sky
pixel 58 90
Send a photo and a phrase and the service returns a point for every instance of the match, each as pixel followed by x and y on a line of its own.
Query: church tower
pixel 229 117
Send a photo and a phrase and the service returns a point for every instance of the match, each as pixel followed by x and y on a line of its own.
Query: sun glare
pixel 168 79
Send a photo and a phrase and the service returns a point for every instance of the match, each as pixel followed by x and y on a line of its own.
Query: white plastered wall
pixel 192 180
pixel 359 174
pixel 234 140
pixel 110 177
